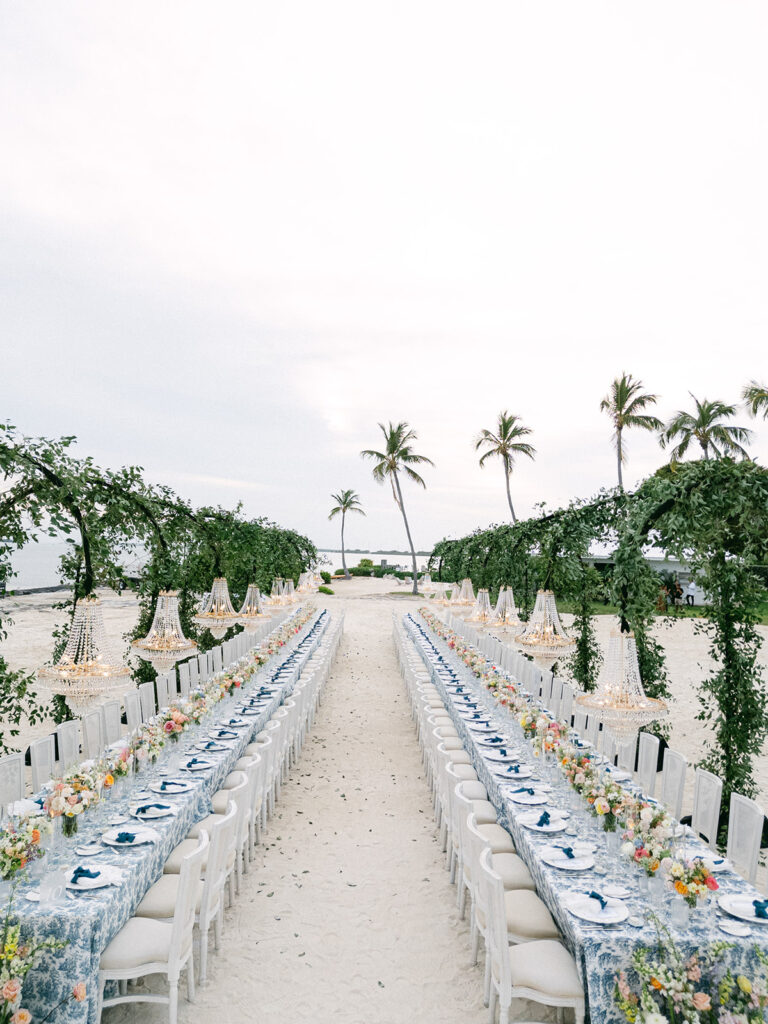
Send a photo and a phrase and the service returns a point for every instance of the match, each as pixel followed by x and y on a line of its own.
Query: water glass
pixel 680 913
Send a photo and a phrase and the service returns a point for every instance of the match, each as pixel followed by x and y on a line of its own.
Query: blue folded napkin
pixel 761 908
pixel 568 851
pixel 513 767
pixel 544 819
pixel 600 899
pixel 169 784
pixel 196 760
pixel 524 789
pixel 210 744
pixel 83 873
pixel 148 807
pixel 495 739
pixel 125 837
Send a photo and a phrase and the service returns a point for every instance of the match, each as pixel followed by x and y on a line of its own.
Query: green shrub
pixel 325 576
pixel 365 563
pixel 325 590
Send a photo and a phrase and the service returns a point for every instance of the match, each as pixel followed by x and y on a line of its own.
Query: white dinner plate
pixel 201 766
pixel 171 788
pixel 532 799
pixel 618 774
pixel 692 853
pixel 588 909
pixel 735 928
pixel 489 746
pixel 236 723
pixel 104 879
pixel 223 734
pixel 478 727
pixel 142 836
pixel 250 711
pixel 616 892
pixel 213 746
pixel 89 851
pixel 555 857
pixel 152 813
pixel 531 818
pixel 502 773
pixel 741 907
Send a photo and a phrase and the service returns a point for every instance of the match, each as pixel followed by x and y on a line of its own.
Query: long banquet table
pixel 88 922
pixel 600 950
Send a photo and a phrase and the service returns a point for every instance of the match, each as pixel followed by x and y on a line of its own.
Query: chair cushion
pixel 545 967
pixel 513 871
pixel 484 812
pixel 161 898
pixel 527 916
pixel 254 748
pixel 460 757
pixel 497 837
pixel 243 762
pixel 464 771
pixel 141 941
pixel 173 865
pixel 206 823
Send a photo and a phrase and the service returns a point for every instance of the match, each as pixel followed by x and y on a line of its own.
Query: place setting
pixel 524 795
pixel 509 769
pixel 214 746
pixel 542 822
pixel 89 879
pixel 149 812
pixel 596 908
pixel 130 838
pixel 576 857
pixel 171 787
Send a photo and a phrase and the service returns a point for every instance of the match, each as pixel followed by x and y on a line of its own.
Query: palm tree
pixel 398 457
pixel 624 403
pixel 756 399
pixel 706 426
pixel 346 501
pixel 505 444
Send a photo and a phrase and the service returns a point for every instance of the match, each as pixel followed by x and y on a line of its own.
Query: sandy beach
pixel 347 914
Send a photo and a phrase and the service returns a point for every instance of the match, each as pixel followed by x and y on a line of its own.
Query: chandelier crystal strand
pixel 89 670
pixel 544 636
pixel 253 611
pixel 276 597
pixel 440 598
pixel 481 612
pixel 619 698
pixel 506 614
pixel 217 613
pixel 289 592
pixel 165 643
pixel 426 583
pixel 466 594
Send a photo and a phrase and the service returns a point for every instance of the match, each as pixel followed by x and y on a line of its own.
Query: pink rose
pixel 711 883
pixel 21 1017
pixel 79 992
pixel 169 726
pixel 12 990
pixel 701 1001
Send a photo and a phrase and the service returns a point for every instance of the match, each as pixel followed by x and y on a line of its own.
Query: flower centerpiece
pixel 692 879
pixel 20 845
pixel 174 723
pixel 70 796
pixel 647 836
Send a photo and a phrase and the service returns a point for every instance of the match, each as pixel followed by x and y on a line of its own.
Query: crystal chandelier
pixel 253 611
pixel 217 613
pixel 276 597
pixel 440 598
pixel 466 595
pixel 620 699
pixel 425 582
pixel 289 592
pixel 544 636
pixel 165 644
pixel 89 670
pixel 481 611
pixel 506 614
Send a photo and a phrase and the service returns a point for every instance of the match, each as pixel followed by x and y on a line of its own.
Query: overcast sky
pixel 235 236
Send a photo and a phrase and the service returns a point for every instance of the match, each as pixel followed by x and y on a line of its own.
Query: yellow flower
pixel 744 984
pixel 682 888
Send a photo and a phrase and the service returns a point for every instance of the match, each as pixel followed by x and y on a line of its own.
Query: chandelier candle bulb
pixel 165 644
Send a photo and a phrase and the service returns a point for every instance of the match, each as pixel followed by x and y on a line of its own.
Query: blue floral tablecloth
pixel 88 923
pixel 599 951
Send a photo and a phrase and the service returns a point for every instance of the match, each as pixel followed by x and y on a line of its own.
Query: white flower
pixel 646 816
pixel 655 1018
pixel 628 850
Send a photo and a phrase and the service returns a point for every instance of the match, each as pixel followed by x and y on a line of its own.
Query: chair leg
pixel 191 979
pixel 492 1004
pixel 487 979
pixel 203 973
pixel 173 1000
pixel 475 940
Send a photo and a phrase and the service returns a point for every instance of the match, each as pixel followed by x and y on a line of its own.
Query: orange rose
pixel 35 835
pixel 109 780
pixel 656 984
pixel 682 888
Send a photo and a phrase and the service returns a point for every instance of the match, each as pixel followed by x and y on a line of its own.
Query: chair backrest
pixel 592 731
pixel 626 754
pixel 68 739
pixel 492 887
pixel 194 672
pixel 163 690
pixel 11 779
pixel 707 794
pixel 609 746
pixel 673 782
pixel 186 900
pixel 566 704
pixel 546 688
pixel 185 683
pixel 222 845
pixel 111 726
pixel 556 698
pixel 93 744
pixel 647 762
pixel 202 666
pixel 147 700
pixel 477 846
pixel 42 757
pixel 580 722
pixel 132 705
pixel 745 830
pixel 218 659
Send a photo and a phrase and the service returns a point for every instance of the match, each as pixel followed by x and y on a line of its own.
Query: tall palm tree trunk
pixel 343 559
pixel 619 454
pixel 509 493
pixel 408 531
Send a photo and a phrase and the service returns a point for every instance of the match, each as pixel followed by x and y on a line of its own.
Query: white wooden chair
pixel 745 831
pixel 132 705
pixel 93 742
pixel 673 782
pixel 11 779
pixel 647 762
pixel 163 690
pixel 218 659
pixel 111 726
pixel 185 683
pixel 626 755
pixel 146 946
pixel 42 758
pixel 592 732
pixel 68 739
pixel 707 795
pixel 147 700
pixel 541 970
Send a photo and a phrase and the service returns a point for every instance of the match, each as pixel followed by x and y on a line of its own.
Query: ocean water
pixel 37 565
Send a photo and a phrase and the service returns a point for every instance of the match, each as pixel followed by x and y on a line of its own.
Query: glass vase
pixel 69 825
